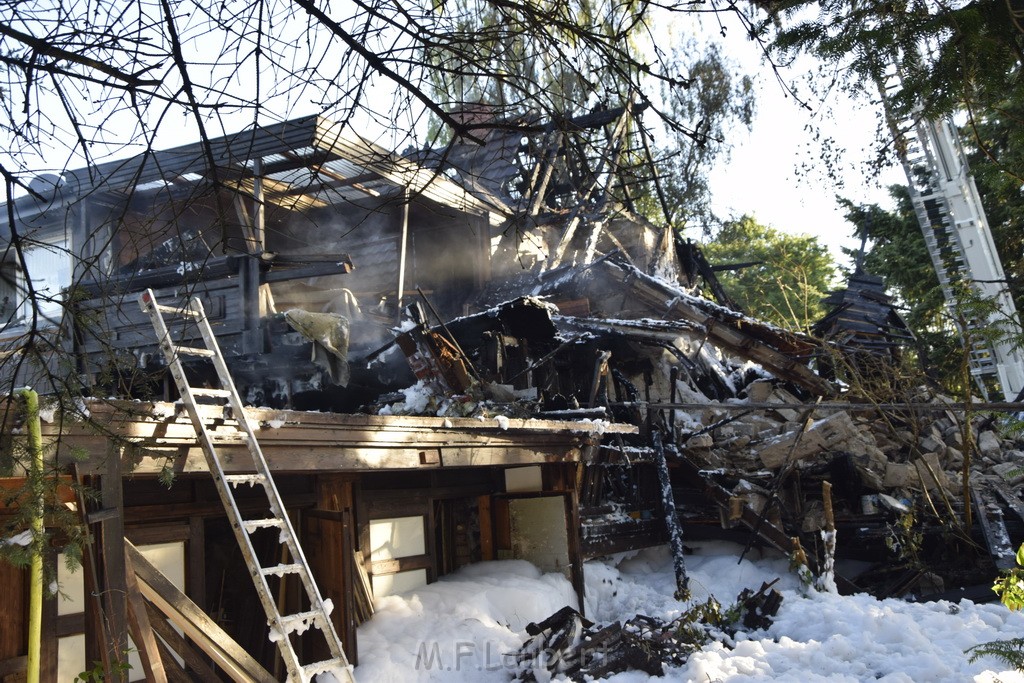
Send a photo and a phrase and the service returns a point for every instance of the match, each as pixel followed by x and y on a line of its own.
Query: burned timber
pixel 450 357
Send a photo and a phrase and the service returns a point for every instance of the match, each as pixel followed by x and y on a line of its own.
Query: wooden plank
pixel 95 624
pixel 767 531
pixel 13 611
pixel 324 548
pixel 349 617
pixel 70 624
pixel 175 673
pixel 193 660
pixel 117 413
pixel 363 588
pixel 724 331
pixel 403 564
pixel 213 508
pixel 993 527
pixel 200 628
pixel 142 632
pixel 1010 496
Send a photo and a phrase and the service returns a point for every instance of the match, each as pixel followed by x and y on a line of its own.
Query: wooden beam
pixel 181 647
pixel 336 458
pixel 197 625
pixel 142 632
pixel 175 673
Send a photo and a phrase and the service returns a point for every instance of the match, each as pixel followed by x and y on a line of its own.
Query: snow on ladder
pixel 283 627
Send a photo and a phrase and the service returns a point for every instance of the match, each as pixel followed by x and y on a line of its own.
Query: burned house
pixel 446 357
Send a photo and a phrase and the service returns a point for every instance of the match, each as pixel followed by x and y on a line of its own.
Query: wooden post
pixel 573 530
pixel 675 530
pixel 49 645
pixel 115 585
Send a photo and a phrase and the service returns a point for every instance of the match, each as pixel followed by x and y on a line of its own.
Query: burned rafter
pixel 695 265
pixel 783 353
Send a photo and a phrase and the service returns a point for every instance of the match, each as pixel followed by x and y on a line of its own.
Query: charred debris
pixel 515 279
pixel 567 644
pixel 737 433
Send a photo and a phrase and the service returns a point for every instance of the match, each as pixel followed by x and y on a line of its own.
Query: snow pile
pixel 416 400
pixel 459 628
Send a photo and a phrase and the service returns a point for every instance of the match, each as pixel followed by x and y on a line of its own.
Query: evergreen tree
pixel 791 276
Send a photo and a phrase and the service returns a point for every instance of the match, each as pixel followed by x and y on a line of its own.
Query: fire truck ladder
pixel 958 238
pixel 282 626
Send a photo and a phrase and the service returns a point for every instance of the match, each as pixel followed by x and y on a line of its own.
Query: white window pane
pixel 393 584
pixel 396 537
pixel 49 267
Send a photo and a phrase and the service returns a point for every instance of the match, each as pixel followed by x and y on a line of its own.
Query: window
pixel 49 265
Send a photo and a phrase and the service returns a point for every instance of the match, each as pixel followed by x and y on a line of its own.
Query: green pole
pixel 35 604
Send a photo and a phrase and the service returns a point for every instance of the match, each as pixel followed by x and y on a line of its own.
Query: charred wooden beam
pixel 675 529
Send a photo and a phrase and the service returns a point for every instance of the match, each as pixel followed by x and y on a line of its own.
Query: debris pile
pixel 568 645
pixel 894 469
pixel 749 431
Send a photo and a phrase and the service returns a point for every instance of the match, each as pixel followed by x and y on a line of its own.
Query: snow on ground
pixel 460 628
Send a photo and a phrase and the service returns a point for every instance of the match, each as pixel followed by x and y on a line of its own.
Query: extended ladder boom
pixel 283 627
pixel 959 242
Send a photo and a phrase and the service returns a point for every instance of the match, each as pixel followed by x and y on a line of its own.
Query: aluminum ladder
pixel 957 237
pixel 282 626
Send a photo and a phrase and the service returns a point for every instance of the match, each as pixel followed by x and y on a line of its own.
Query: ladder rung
pixel 230 440
pixel 250 479
pixel 334 666
pixel 252 525
pixel 258 473
pixel 193 351
pixel 174 310
pixel 281 570
pixel 211 393
pixel 300 621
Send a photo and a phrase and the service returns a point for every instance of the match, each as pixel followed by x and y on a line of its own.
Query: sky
pixel 774 171
pixel 760 178
pixel 458 629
